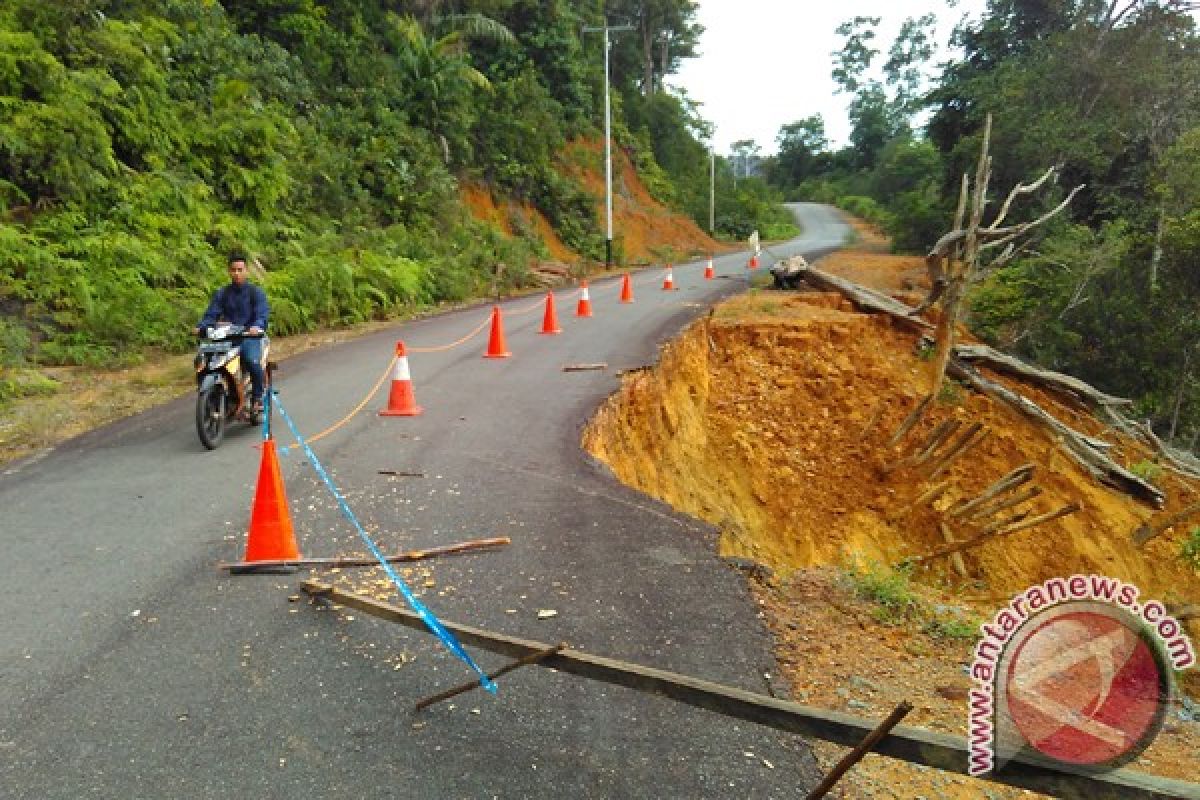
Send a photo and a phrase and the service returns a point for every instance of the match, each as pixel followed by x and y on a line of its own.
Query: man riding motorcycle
pixel 242 303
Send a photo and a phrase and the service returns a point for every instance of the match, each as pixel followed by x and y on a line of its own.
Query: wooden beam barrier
pixel 915 745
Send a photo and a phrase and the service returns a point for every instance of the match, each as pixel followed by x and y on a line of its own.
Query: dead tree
pixel 961 257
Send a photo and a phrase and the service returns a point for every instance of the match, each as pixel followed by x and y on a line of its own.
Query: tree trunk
pixel 1157 254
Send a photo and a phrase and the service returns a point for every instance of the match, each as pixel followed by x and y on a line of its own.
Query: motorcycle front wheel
pixel 210 415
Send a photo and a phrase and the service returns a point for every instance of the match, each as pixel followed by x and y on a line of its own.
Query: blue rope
pixel 431 622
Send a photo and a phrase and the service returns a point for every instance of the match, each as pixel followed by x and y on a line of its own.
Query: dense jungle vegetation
pixel 1107 91
pixel 142 140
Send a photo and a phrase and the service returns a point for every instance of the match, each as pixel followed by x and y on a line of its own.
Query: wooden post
pixel 979 538
pixel 1000 505
pixel 1017 477
pixel 956 559
pixel 968 439
pixel 856 755
pixel 910 421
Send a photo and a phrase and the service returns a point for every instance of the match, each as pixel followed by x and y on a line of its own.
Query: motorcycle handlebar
pixel 234 332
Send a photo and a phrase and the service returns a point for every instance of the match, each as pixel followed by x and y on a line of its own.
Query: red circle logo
pixel 1086 688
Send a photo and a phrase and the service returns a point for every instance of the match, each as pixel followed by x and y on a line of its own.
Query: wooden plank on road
pixel 915 745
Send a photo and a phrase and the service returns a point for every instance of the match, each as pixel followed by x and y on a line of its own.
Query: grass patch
pixel 1147 471
pixel 1189 551
pixel 891 589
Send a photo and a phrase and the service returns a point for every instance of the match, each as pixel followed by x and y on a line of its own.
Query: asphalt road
pixel 130 667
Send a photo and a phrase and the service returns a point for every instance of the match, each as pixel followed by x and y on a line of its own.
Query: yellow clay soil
pixel 770 420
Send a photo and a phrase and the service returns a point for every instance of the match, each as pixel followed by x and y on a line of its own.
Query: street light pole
pixel 607 141
pixel 712 192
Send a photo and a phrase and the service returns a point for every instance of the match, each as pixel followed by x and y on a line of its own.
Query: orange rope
pixel 527 309
pixel 443 347
pixel 357 408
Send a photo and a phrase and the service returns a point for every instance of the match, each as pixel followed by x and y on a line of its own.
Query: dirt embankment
pixel 770 419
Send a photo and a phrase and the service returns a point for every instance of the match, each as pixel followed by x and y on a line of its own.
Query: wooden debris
pixel 1012 480
pixel 1148 531
pixel 243 567
pixel 865 298
pixel 1098 465
pixel 523 661
pixel 913 417
pixel 400 473
pixel 956 559
pixel 1000 505
pixel 583 367
pixel 864 747
pixel 1003 530
pixel 982 354
pixel 916 745
pixel 936 438
pixel 1087 452
pixel 973 435
pixel 873 420
pixel 926 497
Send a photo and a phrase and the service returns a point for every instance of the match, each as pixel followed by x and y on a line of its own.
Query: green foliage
pixel 1189 551
pixel 891 589
pixel 1147 471
pixel 952 628
pixel 951 393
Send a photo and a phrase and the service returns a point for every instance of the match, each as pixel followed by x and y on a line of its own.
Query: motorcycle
pixel 222 385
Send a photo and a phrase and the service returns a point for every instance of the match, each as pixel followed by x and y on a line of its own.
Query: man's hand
pixel 254 330
pixel 197 331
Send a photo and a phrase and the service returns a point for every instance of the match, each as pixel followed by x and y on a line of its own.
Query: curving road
pixel 131 668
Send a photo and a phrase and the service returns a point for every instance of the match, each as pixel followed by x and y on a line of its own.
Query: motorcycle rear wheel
pixel 210 416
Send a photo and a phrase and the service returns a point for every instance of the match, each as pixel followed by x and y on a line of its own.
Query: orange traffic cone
pixel 550 320
pixel 626 289
pixel 584 309
pixel 753 262
pixel 496 346
pixel 669 281
pixel 271 537
pixel 708 270
pixel 401 401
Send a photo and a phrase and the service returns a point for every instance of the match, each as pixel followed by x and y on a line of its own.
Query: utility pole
pixel 712 192
pixel 607 139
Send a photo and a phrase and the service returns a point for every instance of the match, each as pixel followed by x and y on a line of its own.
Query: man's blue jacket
pixel 244 305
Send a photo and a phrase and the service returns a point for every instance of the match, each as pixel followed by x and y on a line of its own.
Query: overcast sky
pixel 766 63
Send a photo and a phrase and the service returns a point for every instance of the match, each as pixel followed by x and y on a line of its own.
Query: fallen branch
pixel 857 754
pixel 864 298
pixel 582 367
pixel 1147 531
pixel 986 534
pixel 1098 465
pixel 979 353
pixel 242 567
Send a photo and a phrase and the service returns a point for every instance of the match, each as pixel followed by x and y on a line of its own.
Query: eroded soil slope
pixel 770 419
